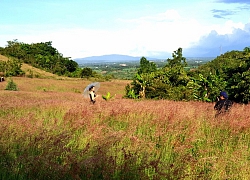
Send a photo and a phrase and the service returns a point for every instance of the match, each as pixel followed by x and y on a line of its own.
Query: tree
pixel 246 50
pixel 178 60
pixel 143 81
pixel 14 49
pixel 86 72
pixel 232 69
pixel 71 65
pixel 146 66
pixel 167 83
pixel 206 89
pixel 11 67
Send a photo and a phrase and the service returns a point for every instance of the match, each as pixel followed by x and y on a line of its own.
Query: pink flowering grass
pixel 49 131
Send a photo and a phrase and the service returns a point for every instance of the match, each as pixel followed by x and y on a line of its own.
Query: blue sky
pixel 151 28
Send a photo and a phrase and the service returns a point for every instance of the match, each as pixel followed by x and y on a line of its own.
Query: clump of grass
pixel 30 73
pixel 76 90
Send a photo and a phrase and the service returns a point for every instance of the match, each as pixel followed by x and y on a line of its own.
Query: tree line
pixel 229 72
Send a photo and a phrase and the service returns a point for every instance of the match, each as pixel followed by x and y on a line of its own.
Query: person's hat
pixel 224 94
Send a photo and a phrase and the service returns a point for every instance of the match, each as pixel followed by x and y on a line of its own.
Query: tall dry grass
pixel 49 131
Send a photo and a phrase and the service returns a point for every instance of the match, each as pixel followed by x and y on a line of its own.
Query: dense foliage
pixel 11 67
pixel 40 55
pixel 168 82
pixel 229 72
pixel 232 71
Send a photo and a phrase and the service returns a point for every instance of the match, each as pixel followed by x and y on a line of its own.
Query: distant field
pixel 49 131
pixel 128 69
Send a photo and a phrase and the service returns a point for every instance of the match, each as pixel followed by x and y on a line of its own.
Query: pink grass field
pixel 50 107
pixel 67 95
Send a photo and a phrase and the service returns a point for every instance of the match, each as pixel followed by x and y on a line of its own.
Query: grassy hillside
pixel 49 131
pixel 75 86
pixel 3 58
pixel 32 71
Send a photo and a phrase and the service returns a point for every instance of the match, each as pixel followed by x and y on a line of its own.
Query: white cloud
pixel 164 32
pixel 214 43
pixel 227 28
pixel 154 35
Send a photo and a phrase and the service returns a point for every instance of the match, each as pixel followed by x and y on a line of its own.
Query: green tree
pixel 206 89
pixel 146 66
pixel 167 83
pixel 71 65
pixel 143 81
pixel 13 49
pixel 246 50
pixel 130 92
pixel 177 59
pixel 11 67
pixel 86 72
pixel 1 50
pixel 233 71
pixel 241 87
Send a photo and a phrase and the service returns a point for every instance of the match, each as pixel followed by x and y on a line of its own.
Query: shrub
pixel 11 86
pixel 130 93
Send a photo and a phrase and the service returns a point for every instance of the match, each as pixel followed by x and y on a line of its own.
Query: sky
pixel 150 28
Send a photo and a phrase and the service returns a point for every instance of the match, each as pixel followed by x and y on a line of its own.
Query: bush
pixel 11 86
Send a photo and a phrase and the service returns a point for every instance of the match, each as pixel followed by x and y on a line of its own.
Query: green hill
pixel 31 71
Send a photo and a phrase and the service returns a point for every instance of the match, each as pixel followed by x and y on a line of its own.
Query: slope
pixel 31 71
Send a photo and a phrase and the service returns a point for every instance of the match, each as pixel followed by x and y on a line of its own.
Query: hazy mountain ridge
pixel 110 57
pixel 126 58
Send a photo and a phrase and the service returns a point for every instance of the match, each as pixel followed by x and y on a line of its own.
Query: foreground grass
pixel 48 131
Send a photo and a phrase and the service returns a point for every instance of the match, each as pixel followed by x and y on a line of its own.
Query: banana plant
pixel 107 97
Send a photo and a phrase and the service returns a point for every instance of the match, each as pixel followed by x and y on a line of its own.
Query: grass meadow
pixel 49 131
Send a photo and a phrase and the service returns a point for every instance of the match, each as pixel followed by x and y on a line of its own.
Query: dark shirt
pixel 92 96
pixel 223 106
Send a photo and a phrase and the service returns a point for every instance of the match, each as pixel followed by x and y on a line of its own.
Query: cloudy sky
pixel 151 28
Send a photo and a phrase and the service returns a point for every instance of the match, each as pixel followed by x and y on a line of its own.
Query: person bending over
pixel 223 104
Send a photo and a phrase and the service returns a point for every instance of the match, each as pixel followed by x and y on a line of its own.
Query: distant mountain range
pixel 110 58
pixel 125 58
